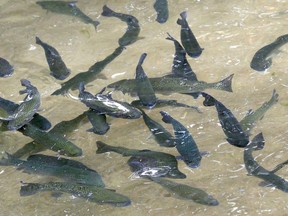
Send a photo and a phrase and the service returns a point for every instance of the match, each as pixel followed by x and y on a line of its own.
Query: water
pixel 229 31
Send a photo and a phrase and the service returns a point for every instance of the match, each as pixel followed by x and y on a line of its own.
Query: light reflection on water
pixel 230 32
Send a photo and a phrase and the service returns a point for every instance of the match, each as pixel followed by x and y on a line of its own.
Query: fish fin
pixel 28 189
pixel 90 130
pixel 95 24
pixel 38 41
pixel 142 58
pixel 101 147
pixel 166 117
pixel 81 87
pixel 250 111
pixel 258 142
pixel 209 100
pixel 113 190
pixel 107 11
pixel 226 84
pixel 145 150
pixel 8 159
pixel 204 153
pixel 179 22
pixel 266 184
pixel 183 15
pixel 195 95
pixel 170 37
pixel 72 3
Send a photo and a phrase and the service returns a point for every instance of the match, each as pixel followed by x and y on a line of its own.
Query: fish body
pixel 186 192
pixel 155 160
pixel 184 142
pixel 25 111
pixel 168 85
pixel 181 66
pixel 6 69
pixel 88 76
pixel 57 66
pixel 145 90
pixel 68 8
pixel 255 169
pixel 89 192
pixel 188 39
pixel 104 104
pixel 66 169
pixel 161 7
pixel 98 121
pixel 133 30
pixel 262 59
pixel 249 121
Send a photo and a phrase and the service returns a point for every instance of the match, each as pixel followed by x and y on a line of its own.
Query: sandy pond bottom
pixel 230 33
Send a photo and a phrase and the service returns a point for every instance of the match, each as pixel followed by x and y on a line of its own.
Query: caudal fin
pixel 166 117
pixel 107 11
pixel 225 84
pixel 209 100
pixel 28 189
pixel 95 24
pixel 8 160
pixel 102 147
pixel 38 41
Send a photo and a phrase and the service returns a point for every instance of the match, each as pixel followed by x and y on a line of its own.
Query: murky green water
pixel 229 31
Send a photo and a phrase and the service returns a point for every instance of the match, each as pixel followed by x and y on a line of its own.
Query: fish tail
pixel 283 38
pixel 95 24
pixel 8 160
pixel 38 41
pixel 166 117
pixel 225 84
pixel 183 15
pixel 102 147
pixel 170 37
pixel 81 87
pixel 142 58
pixel 274 99
pixel 209 100
pixel 257 142
pixel 28 189
pixel 107 11
pixel 179 22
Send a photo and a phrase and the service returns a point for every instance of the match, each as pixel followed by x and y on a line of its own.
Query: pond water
pixel 230 32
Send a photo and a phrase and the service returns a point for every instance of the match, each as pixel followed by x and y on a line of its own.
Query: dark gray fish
pixel 262 59
pixel 163 162
pixel 184 142
pixel 231 127
pixel 180 65
pixel 68 8
pixel 88 76
pixel 133 30
pixel 6 69
pixel 98 121
pixel 161 7
pixel 249 121
pixel 25 111
pixel 88 192
pixel 186 192
pixel 66 169
pixel 104 104
pixel 188 39
pixel 145 90
pixel 57 66
pixel 169 85
pixel 257 170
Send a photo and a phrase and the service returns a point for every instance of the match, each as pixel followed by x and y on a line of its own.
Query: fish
pixel 255 169
pixel 88 192
pixel 145 90
pixel 104 104
pixel 98 121
pixel 87 76
pixel 184 142
pixel 56 65
pixel 6 69
pixel 249 121
pixel 188 39
pixel 51 141
pixel 186 192
pixel 65 169
pixel 160 160
pixel 26 110
pixel 168 85
pixel 161 7
pixel 262 59
pixel 181 66
pixel 133 30
pixel 231 127
pixel 68 8
pixel 63 129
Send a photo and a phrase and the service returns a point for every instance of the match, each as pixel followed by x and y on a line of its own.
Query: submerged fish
pixel 249 121
pixel 168 85
pixel 161 7
pixel 158 160
pixel 104 104
pixel 262 59
pixel 57 67
pixel 184 142
pixel 68 170
pixel 258 171
pixel 133 30
pixel 186 192
pixel 6 69
pixel 145 90
pixel 67 8
pixel 89 75
pixel 89 192
pixel 180 66
pixel 98 121
pixel 231 127
pixel 188 39
pixel 26 110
